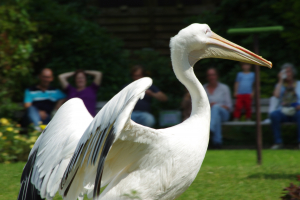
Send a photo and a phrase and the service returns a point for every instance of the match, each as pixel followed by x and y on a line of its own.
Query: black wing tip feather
pixel 28 190
pixel 67 189
pixel 108 141
pixel 107 145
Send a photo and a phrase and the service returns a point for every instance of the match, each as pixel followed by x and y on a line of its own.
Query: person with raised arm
pixel 88 94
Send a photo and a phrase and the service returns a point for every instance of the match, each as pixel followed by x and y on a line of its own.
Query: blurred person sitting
pixel 287 90
pixel 88 94
pixel 220 102
pixel 141 112
pixel 42 99
pixel 186 106
pixel 243 92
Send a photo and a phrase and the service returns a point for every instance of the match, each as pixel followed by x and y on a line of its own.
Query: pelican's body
pixel 168 168
pixel 131 160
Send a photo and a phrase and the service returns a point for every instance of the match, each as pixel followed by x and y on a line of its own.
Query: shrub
pixel 78 43
pixel 272 45
pixel 18 38
pixel 13 145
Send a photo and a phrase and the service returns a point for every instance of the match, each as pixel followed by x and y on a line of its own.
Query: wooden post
pixel 255 31
pixel 257 104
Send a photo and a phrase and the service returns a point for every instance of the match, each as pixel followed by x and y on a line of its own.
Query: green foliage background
pixel 276 47
pixel 64 35
pixel 18 39
pixel 288 10
pixel 78 43
pixel 75 41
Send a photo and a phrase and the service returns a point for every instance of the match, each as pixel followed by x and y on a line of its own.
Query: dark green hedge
pixel 65 36
pixel 276 47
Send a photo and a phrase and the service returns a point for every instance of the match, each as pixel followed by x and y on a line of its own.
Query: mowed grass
pixel 225 174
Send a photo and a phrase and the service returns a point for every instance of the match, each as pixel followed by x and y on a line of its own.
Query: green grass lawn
pixel 225 174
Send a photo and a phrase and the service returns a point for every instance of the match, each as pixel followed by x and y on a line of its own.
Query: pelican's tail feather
pixel 28 190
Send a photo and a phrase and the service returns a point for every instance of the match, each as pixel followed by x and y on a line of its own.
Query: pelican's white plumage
pixel 139 156
pixel 53 150
pixel 129 158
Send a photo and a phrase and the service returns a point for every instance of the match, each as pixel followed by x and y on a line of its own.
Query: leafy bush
pixel 13 145
pixel 288 10
pixel 18 38
pixel 78 43
pixel 234 14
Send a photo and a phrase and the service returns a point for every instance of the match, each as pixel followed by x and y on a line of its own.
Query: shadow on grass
pixel 272 176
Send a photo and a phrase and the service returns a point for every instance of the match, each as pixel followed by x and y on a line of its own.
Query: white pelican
pixel 77 154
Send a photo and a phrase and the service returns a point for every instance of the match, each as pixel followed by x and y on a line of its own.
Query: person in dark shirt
pixel 41 99
pixel 186 105
pixel 141 112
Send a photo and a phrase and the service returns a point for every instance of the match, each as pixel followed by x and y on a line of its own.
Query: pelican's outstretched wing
pixel 53 150
pixel 92 149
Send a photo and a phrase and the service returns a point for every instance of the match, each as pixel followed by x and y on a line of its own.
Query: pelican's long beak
pixel 219 47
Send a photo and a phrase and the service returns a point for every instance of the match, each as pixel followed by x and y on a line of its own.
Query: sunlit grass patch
pixel 224 175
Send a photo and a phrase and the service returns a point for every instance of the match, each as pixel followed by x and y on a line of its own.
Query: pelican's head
pixel 200 42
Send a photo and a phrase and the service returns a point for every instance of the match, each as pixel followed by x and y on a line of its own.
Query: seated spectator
pixel 287 91
pixel 88 94
pixel 220 102
pixel 141 112
pixel 274 103
pixel 186 106
pixel 243 92
pixel 40 100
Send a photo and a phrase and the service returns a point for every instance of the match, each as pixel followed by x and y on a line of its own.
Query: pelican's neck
pixel 185 74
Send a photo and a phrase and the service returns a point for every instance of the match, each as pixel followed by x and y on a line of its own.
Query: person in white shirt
pixel 220 102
